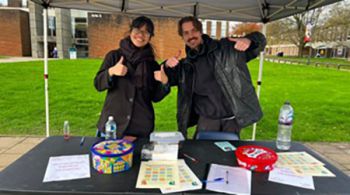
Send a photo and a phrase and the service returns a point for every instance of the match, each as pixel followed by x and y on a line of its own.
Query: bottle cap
pixel 110 118
pixel 66 122
pixel 287 102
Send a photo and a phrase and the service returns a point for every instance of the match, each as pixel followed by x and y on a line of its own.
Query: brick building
pixel 106 30
pixel 15 32
pixel 92 34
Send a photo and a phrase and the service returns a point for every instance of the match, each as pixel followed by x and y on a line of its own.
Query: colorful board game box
pixel 112 156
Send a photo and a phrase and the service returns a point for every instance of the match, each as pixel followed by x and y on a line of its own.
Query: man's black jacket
pixel 231 73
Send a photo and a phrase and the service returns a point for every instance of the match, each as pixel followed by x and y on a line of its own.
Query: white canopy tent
pixel 263 11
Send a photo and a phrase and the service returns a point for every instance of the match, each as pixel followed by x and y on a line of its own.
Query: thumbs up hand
pixel 173 61
pixel 242 44
pixel 160 76
pixel 118 69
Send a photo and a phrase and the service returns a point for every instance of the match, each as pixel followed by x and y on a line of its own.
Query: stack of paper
pixel 302 164
pixel 169 176
pixel 297 169
pixel 235 180
pixel 71 167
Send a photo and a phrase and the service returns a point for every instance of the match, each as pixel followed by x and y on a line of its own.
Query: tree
pixel 246 28
pixel 292 29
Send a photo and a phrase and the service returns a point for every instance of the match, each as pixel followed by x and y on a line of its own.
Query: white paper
pixel 60 168
pixel 288 177
pixel 188 180
pixel 165 152
pixel 236 180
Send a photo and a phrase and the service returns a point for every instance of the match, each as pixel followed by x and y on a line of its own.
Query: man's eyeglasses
pixel 138 31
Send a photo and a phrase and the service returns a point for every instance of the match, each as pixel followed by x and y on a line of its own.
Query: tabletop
pixel 25 175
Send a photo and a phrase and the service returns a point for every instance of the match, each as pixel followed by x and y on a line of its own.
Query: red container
pixel 256 158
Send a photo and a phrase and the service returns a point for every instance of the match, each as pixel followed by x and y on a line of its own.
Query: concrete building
pixel 59 31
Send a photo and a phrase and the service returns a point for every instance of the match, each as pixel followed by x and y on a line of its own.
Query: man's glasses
pixel 138 31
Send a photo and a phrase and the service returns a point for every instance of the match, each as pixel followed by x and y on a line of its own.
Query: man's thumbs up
pixel 118 69
pixel 242 44
pixel 173 61
pixel 160 75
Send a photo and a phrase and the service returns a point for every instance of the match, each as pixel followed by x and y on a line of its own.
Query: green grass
pixel 321 60
pixel 319 96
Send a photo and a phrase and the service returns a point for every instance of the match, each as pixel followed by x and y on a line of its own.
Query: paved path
pixel 21 59
pixel 11 148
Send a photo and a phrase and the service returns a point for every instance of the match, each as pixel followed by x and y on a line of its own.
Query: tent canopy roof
pixel 233 10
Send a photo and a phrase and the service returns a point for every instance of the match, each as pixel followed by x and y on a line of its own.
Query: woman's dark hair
pixel 196 23
pixel 140 22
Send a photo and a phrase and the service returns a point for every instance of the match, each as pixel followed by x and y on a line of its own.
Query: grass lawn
pixel 321 60
pixel 319 96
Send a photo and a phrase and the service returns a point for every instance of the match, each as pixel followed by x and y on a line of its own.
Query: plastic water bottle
pixel 285 122
pixel 111 128
pixel 66 131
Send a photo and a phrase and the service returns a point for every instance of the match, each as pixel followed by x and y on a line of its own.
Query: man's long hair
pixel 196 23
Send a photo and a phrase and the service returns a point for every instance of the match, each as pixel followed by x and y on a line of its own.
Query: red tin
pixel 256 158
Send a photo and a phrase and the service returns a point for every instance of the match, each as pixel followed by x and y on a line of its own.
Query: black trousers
pixel 227 125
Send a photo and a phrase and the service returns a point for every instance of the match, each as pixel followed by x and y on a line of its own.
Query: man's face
pixel 191 36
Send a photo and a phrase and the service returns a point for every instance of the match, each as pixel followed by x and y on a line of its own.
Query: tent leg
pixel 46 75
pixel 261 64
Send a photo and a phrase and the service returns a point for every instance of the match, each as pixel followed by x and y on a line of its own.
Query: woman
pixel 133 80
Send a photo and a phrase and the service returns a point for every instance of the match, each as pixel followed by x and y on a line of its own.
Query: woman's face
pixel 140 36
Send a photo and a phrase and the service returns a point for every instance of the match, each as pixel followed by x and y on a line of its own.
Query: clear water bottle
pixel 111 128
pixel 66 130
pixel 285 122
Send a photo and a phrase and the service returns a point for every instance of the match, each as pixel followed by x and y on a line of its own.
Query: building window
pixel 204 26
pixel 80 36
pixel 223 28
pixel 3 2
pixel 213 29
pixel 231 25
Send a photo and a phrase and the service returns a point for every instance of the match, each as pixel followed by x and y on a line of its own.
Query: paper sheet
pixel 288 177
pixel 295 159
pixel 157 174
pixel 188 180
pixel 60 168
pixel 317 170
pixel 231 184
pixel 303 164
pixel 165 152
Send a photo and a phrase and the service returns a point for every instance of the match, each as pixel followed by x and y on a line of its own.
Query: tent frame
pixel 264 9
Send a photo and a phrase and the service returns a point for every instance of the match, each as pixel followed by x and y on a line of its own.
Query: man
pixel 214 85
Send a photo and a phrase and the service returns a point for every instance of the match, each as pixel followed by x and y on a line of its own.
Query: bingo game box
pixel 112 156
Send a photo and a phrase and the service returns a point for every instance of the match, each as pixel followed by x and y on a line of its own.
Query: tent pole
pixel 261 64
pixel 46 75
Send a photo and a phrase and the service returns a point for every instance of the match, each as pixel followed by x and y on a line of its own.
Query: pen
pixel 190 157
pixel 82 140
pixel 226 177
pixel 219 179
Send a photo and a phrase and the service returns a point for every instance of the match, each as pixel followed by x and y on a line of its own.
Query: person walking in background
pixel 214 85
pixel 133 81
pixel 55 52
